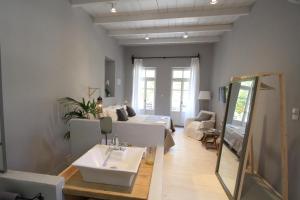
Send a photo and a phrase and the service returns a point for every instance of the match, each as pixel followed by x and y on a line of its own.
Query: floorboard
pixel 189 171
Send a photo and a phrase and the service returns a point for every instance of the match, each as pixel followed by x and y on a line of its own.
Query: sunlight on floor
pixel 189 171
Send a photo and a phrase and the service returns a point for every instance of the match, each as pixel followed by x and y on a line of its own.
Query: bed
pixel 143 130
pixel 234 136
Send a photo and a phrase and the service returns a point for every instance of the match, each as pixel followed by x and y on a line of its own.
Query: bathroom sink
pixel 103 164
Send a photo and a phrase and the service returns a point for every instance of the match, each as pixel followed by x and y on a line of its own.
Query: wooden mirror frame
pixel 245 141
pixel 2 142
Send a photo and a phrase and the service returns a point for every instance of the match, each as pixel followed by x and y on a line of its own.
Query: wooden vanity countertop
pixel 75 188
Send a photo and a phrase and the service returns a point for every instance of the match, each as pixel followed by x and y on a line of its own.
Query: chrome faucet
pixel 115 141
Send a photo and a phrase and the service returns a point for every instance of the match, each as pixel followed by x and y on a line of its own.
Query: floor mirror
pixel 2 137
pixel 236 124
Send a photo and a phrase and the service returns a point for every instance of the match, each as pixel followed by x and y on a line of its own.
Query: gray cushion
pixel 122 116
pixel 130 111
pixel 204 117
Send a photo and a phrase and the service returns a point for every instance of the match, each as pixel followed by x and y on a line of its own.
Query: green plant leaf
pixel 79 110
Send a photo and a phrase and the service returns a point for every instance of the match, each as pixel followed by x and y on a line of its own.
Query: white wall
pixel 164 69
pixel 266 40
pixel 49 50
pixel 29 184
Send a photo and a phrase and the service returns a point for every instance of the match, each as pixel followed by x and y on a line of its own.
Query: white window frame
pixel 181 80
pixel 145 79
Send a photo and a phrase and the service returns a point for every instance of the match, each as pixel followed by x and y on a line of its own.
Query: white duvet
pixel 139 118
pixel 150 119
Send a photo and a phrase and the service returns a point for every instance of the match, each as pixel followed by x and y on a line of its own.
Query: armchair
pixel 194 129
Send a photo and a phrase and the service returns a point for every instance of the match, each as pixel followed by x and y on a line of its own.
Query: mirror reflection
pixel 239 107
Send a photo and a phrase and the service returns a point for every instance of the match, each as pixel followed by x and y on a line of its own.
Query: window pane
pixel 240 107
pixel 186 85
pixel 150 99
pixel 177 73
pixel 150 84
pixel 185 100
pixel 187 74
pixel 150 73
pixel 247 83
pixel 176 100
pixel 176 85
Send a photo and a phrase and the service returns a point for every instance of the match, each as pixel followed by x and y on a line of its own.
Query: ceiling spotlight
pixel 185 36
pixel 213 2
pixel 113 9
pixel 147 38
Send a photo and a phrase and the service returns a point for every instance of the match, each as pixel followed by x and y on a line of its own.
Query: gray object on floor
pixel 9 196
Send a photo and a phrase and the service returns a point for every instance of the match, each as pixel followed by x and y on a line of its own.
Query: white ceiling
pixel 165 21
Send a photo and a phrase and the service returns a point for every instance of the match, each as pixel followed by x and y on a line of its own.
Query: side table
pixel 209 138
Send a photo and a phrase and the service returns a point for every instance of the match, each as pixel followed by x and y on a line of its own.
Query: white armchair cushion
pixel 213 115
pixel 195 129
pixel 206 124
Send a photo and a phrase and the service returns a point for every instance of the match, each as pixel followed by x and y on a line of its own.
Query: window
pixel 147 83
pixel 181 85
pixel 242 108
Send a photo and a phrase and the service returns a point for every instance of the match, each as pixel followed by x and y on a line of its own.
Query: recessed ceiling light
pixel 213 2
pixel 185 36
pixel 113 9
pixel 147 38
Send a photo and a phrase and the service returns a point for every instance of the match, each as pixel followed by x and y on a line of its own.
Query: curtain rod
pixel 163 57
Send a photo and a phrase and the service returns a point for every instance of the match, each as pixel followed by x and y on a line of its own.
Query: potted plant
pixel 76 109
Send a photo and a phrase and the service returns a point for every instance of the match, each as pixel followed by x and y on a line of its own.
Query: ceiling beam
pixel 155 41
pixel 177 29
pixel 79 3
pixel 172 14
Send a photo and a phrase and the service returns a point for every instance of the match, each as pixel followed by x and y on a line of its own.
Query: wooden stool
pixel 209 139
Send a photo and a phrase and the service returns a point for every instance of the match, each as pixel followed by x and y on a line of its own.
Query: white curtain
pixel 137 69
pixel 195 74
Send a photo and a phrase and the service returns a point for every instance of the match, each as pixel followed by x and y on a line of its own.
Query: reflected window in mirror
pixel 235 132
pixel 242 108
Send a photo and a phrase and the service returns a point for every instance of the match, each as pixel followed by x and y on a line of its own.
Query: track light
pixel 113 9
pixel 213 2
pixel 185 36
pixel 147 37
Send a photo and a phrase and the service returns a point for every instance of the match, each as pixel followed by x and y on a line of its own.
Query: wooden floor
pixel 189 171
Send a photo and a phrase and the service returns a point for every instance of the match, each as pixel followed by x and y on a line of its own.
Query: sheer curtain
pixel 137 69
pixel 195 74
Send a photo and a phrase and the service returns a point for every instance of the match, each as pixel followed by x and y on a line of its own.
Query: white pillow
pixel 125 108
pixel 112 112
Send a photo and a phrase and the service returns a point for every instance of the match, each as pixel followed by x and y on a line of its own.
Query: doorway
pixel 180 93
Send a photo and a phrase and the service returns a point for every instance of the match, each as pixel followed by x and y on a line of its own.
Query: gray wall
pixel 164 67
pixel 266 40
pixel 49 50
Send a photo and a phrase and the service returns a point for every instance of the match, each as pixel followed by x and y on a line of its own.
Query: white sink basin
pixel 116 167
